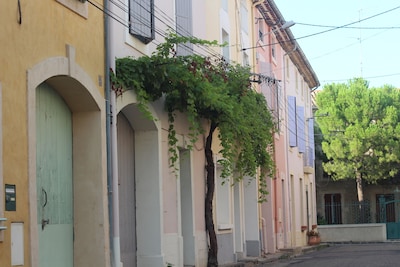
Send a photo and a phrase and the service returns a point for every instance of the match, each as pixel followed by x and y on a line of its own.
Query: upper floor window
pixel 273 48
pixel 246 60
pixel 141 20
pixel 224 5
pixel 225 49
pixel 183 10
pixel 292 121
pixel 260 30
pixel 287 68
pixel 244 17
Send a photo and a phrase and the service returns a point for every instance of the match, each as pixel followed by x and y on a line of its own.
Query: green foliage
pixel 362 132
pixel 205 89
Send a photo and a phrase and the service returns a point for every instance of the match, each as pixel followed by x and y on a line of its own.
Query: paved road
pixel 348 255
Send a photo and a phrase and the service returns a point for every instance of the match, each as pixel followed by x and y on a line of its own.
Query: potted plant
pixel 313 237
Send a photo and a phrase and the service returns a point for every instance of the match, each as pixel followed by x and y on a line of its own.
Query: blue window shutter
pixel 141 20
pixel 292 128
pixel 311 142
pixel 183 9
pixel 301 136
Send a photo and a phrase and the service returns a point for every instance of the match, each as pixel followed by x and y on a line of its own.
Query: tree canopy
pixel 361 134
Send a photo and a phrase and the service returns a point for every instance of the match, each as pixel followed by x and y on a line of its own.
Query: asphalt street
pixel 347 255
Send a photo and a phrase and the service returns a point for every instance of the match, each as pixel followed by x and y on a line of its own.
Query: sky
pixel 368 48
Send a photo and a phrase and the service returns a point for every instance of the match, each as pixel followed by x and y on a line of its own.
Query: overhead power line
pixel 331 29
pixel 366 78
pixel 349 27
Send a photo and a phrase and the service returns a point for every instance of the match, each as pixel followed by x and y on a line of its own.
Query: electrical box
pixel 11 198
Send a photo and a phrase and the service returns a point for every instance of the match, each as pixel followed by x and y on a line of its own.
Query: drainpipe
pixel 264 245
pixel 112 168
pixel 115 191
pixel 107 89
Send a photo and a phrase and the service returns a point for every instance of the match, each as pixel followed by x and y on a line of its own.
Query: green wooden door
pixel 54 178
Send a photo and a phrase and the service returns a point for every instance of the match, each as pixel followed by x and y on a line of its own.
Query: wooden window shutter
pixel 301 137
pixel 184 25
pixel 311 142
pixel 292 128
pixel 141 20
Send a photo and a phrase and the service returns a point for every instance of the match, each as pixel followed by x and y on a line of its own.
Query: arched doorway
pixel 82 192
pixel 127 190
pixel 145 176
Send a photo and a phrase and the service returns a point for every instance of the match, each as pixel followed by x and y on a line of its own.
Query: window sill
pixel 76 6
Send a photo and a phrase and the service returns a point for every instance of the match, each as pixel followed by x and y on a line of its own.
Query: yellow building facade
pixel 53 158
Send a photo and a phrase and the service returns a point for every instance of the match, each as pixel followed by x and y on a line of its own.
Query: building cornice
pixel 287 41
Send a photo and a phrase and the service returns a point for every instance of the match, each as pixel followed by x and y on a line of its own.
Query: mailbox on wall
pixel 10 197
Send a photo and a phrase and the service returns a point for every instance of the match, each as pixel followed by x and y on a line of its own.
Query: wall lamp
pixel 284 26
pixel 287 24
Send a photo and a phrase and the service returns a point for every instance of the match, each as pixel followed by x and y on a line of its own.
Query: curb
pixel 282 254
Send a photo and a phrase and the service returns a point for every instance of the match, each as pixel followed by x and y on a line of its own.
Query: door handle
pixel 45 197
pixel 44 223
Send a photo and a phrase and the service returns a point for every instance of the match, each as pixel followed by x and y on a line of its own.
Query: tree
pixel 210 92
pixel 361 135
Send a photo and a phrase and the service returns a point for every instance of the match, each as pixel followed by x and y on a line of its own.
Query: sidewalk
pixel 281 254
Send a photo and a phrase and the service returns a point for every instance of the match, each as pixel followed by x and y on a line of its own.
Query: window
pixel 287 68
pixel 260 30
pixel 246 60
pixel 244 17
pixel 78 6
pixel 223 201
pixel 184 25
pixel 333 208
pixel 301 137
pixel 311 144
pixel 292 121
pixel 225 5
pixel 225 49
pixel 141 20
pixel 273 48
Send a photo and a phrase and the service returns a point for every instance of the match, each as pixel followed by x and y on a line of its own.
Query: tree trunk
pixel 360 192
pixel 363 212
pixel 210 187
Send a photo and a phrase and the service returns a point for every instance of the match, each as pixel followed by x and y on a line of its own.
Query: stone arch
pixel 87 105
pixel 148 180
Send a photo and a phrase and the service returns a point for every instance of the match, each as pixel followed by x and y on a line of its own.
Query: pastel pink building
pixel 288 82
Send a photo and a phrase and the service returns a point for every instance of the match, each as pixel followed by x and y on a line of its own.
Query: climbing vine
pixel 206 89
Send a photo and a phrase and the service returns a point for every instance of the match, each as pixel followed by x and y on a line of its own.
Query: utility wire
pixel 281 102
pixel 335 28
pixel 366 78
pixel 164 20
pixel 346 27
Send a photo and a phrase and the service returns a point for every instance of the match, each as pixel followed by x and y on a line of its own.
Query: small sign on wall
pixel 11 200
